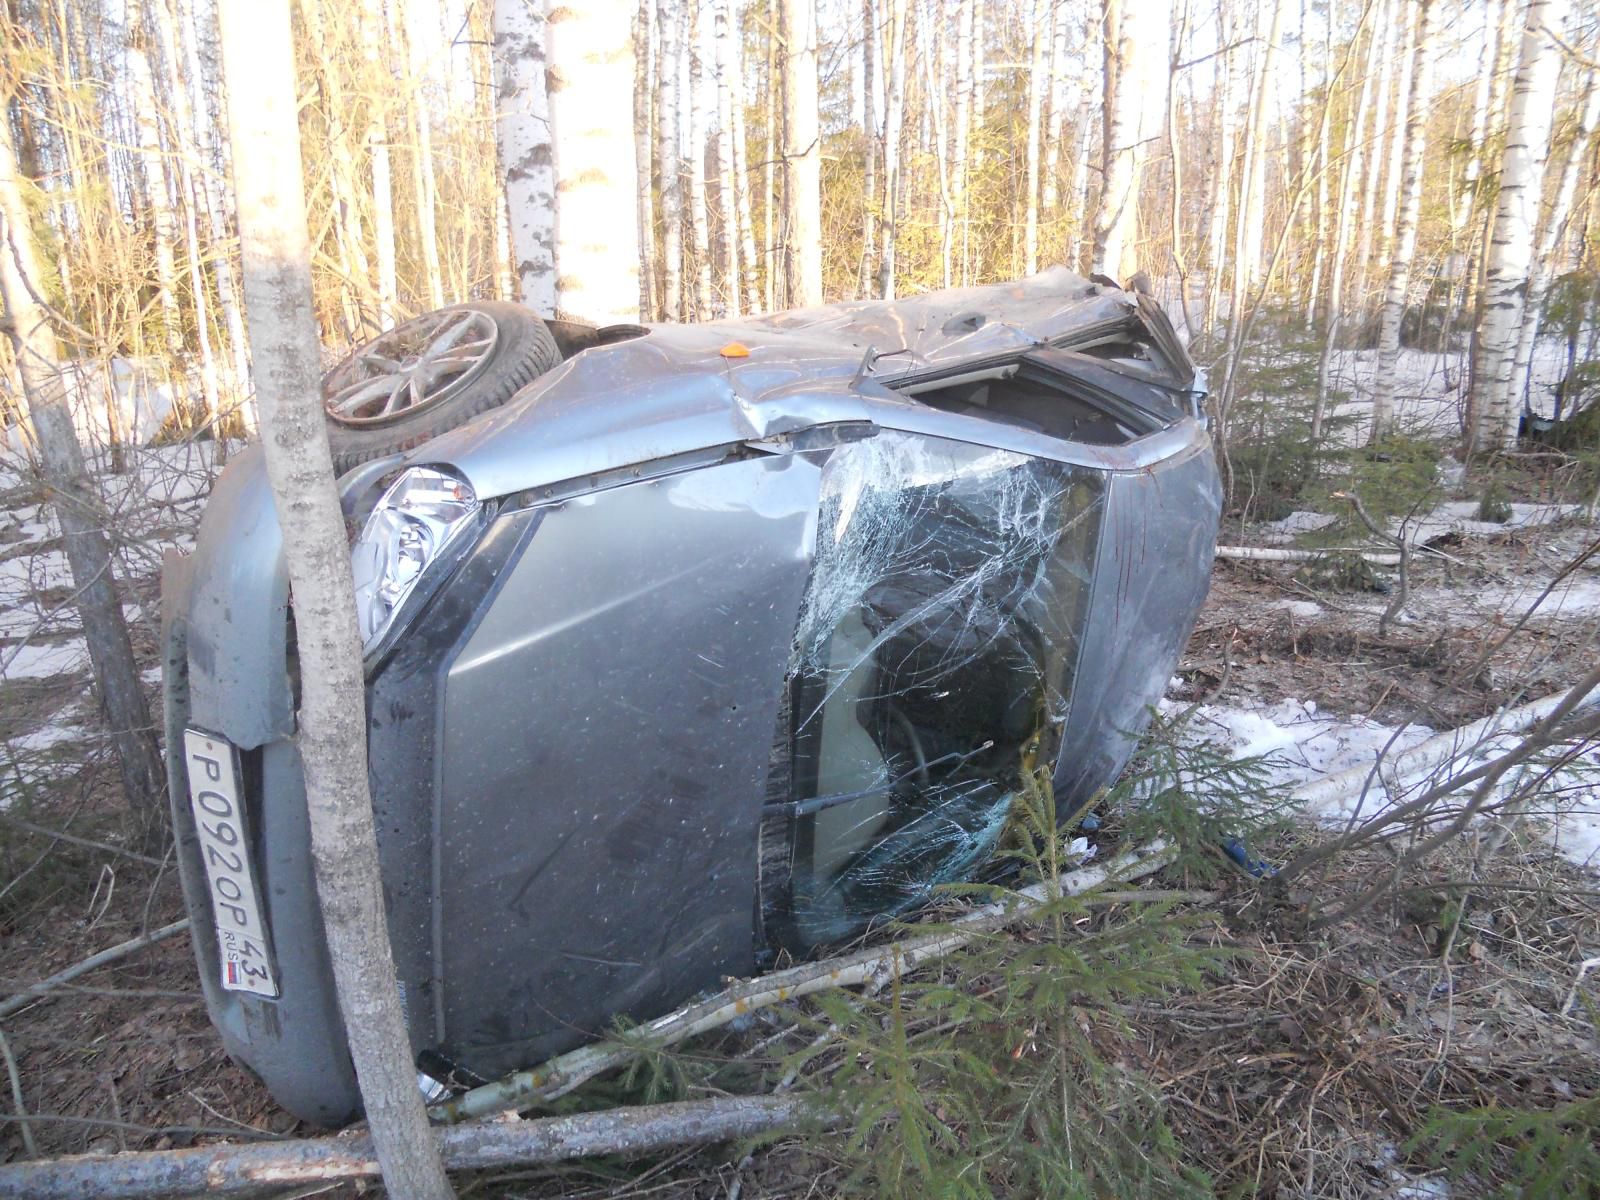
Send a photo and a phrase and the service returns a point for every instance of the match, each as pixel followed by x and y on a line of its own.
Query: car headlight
pixel 413 524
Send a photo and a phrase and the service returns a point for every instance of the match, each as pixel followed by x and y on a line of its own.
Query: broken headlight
pixel 422 514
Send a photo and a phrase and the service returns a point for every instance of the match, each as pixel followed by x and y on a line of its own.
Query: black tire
pixel 504 347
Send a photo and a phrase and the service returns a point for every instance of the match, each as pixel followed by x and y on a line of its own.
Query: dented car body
pixel 734 640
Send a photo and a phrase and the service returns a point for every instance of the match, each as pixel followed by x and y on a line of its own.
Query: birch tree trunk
pixel 727 186
pixel 1385 32
pixel 741 174
pixel 1221 174
pixel 522 136
pixel 263 125
pixel 418 102
pixel 590 75
pixel 1054 126
pixel 1545 264
pixel 893 129
pixel 802 153
pixel 869 144
pixel 1510 257
pixel 1399 132
pixel 962 135
pixel 644 90
pixel 1116 222
pixel 373 25
pixel 769 179
pixel 1250 242
pixel 699 222
pixel 671 167
pixel 44 386
pixel 1042 26
pixel 1420 75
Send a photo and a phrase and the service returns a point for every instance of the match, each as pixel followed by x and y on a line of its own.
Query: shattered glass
pixel 931 667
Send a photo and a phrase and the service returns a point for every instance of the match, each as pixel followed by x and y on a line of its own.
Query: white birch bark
pixel 1042 26
pixel 727 187
pixel 670 165
pixel 644 91
pixel 153 177
pixel 44 386
pixel 374 24
pixel 869 147
pixel 522 136
pixel 769 178
pixel 1055 123
pixel 741 175
pixel 1116 222
pixel 422 177
pixel 1221 171
pixel 962 135
pixel 1510 256
pixel 699 216
pixel 1397 292
pixel 802 154
pixel 1386 34
pixel 590 76
pixel 1545 264
pixel 893 133
pixel 1394 173
pixel 264 128
pixel 1252 214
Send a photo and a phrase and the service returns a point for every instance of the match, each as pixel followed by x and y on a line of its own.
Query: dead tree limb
pixel 109 955
pixel 562 1074
pixel 222 1170
pixel 1282 554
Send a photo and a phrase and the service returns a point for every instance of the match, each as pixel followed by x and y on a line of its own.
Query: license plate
pixel 213 768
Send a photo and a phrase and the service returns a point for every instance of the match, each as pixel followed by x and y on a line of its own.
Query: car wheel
pixel 430 374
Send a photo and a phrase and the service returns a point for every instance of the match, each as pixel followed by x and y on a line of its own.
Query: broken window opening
pixel 931 668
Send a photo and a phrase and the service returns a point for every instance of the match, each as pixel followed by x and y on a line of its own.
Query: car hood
pixel 679 389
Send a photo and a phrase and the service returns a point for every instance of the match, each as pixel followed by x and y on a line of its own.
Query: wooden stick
pixel 121 950
pixel 1278 554
pixel 564 1073
pixel 230 1169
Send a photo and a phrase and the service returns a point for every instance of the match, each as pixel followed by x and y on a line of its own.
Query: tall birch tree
pixel 699 215
pixel 263 126
pixel 1396 292
pixel 727 179
pixel 893 129
pixel 1116 222
pixel 669 162
pixel 590 78
pixel 1510 257
pixel 1042 27
pixel 522 136
pixel 802 153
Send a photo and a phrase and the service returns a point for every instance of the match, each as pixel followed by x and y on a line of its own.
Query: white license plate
pixel 213 769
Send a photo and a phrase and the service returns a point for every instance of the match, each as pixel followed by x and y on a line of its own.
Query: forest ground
pixel 1306 1069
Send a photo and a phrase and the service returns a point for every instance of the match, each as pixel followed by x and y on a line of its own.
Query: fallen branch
pixel 1424 758
pixel 110 955
pixel 562 1074
pixel 1277 554
pixel 231 1169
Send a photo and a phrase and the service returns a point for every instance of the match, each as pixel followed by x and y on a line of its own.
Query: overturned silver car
pixel 686 646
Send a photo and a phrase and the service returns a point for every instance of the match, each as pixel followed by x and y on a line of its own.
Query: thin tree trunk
pixel 374 25
pixel 644 39
pixel 590 76
pixel 1116 223
pixel 263 124
pixel 671 167
pixel 1221 174
pixel 1059 38
pixel 1042 26
pixel 418 102
pixel 869 147
pixel 1545 258
pixel 1405 243
pixel 727 206
pixel 963 133
pixel 802 154
pixel 1345 215
pixel 1399 131
pixel 893 126
pixel 775 140
pixel 699 218
pixel 741 174
pixel 1510 257
pixel 82 520
pixel 941 154
pixel 522 136
pixel 1385 32
pixel 1251 241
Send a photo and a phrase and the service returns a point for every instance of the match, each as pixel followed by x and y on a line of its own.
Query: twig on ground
pixel 110 955
pixel 28 1144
